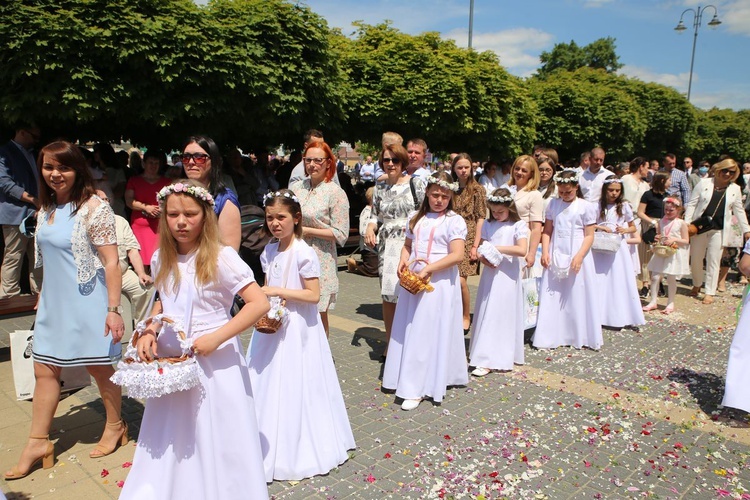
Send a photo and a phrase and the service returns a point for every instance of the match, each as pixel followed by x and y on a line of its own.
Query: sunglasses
pixel 316 161
pixel 728 171
pixel 395 161
pixel 198 158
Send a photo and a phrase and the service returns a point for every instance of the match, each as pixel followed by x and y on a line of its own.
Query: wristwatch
pixel 116 310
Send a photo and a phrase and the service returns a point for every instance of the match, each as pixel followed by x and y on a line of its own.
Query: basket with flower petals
pixel 412 282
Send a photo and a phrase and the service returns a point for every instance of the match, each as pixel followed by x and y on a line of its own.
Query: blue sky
pixel 648 46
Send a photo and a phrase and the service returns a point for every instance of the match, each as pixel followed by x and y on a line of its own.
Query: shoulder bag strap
pixel 414 193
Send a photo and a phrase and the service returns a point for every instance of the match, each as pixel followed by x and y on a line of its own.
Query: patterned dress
pixel 391 206
pixel 472 206
pixel 324 206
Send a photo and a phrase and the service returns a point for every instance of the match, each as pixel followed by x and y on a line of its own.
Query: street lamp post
pixel 697 18
pixel 471 20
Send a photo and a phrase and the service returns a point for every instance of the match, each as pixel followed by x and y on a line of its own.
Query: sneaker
pixel 410 404
pixel 644 292
pixel 480 372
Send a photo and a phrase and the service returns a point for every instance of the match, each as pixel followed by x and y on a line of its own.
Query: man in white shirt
pixel 417 151
pixel 592 179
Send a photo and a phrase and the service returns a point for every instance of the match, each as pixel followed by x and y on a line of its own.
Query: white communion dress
pixel 203 442
pixel 736 394
pixel 304 427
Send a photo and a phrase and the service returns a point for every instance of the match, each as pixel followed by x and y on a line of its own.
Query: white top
pixel 632 190
pixel 591 183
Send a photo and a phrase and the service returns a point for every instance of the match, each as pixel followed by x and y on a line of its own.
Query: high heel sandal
pixel 47 460
pixel 100 451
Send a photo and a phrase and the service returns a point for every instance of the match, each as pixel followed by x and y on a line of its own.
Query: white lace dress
pixel 204 442
pixel 69 328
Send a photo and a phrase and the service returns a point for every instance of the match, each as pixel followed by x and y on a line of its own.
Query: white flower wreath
pixel 613 179
pixel 453 186
pixel 499 199
pixel 273 194
pixel 568 180
pixel 197 192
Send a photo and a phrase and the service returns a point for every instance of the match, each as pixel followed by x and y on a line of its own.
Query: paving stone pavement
pixel 639 418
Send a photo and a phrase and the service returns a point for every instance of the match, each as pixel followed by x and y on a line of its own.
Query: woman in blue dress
pixel 78 320
pixel 202 161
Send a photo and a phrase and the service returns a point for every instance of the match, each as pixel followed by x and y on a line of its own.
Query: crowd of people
pixel 548 240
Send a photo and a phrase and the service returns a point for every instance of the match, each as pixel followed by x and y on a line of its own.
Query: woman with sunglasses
pixel 325 218
pixel 713 203
pixel 392 202
pixel 202 162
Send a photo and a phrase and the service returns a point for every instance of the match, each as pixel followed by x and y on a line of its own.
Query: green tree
pixel 456 99
pixel 599 54
pixel 581 110
pixel 719 132
pixel 245 71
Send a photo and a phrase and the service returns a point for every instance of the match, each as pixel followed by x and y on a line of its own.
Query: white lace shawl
pixel 94 226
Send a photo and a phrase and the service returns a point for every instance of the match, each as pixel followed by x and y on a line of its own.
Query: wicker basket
pixel 166 359
pixel 411 282
pixel 269 325
pixel 664 250
pixel 160 376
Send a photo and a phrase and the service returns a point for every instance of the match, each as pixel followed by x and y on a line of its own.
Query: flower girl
pixel 500 295
pixel 426 352
pixel 304 428
pixel 671 256
pixel 568 312
pixel 620 305
pixel 201 442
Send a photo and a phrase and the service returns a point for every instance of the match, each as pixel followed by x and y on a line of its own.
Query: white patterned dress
pixel 391 206
pixel 325 206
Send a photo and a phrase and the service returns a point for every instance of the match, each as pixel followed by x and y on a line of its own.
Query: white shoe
pixel 410 404
pixel 480 372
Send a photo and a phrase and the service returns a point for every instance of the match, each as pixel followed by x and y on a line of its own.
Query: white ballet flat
pixel 410 404
pixel 480 372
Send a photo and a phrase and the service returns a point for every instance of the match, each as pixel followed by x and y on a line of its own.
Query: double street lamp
pixel 697 18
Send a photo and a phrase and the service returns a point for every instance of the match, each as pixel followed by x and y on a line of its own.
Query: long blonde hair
pixel 209 245
pixel 533 183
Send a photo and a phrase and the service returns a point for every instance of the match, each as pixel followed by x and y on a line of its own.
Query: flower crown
pixel 499 199
pixel 453 186
pixel 567 180
pixel 673 201
pixel 273 194
pixel 196 192
pixel 613 179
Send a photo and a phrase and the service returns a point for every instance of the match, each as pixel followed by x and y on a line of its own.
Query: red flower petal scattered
pixel 127 464
pixel 120 484
pixel 387 455
pixel 370 478
pixel 446 436
pixel 587 463
pixel 104 473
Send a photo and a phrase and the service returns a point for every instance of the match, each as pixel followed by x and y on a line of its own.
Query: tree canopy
pixel 599 54
pixel 423 86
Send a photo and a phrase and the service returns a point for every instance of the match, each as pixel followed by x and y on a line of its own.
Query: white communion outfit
pixel 678 263
pixel 497 332
pixel 569 313
pixel 304 427
pixel 620 304
pixel 203 442
pixel 736 394
pixel 426 353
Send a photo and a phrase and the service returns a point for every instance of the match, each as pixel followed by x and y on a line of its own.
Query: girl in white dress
pixel 569 312
pixel 500 295
pixel 620 303
pixel 736 394
pixel 426 352
pixel 672 232
pixel 304 428
pixel 202 442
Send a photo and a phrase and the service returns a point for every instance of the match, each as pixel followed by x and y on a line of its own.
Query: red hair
pixel 331 168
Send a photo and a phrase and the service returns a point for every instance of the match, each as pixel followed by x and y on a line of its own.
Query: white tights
pixel 671 289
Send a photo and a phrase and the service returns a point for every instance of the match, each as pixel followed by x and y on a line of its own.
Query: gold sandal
pixel 100 451
pixel 47 460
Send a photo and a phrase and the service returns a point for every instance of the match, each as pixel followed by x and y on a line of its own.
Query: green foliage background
pixel 258 73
